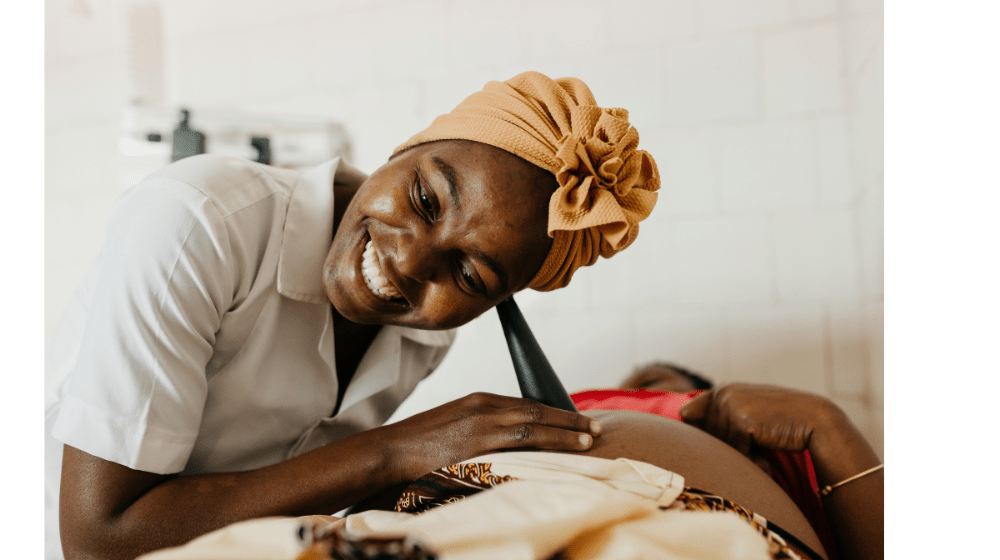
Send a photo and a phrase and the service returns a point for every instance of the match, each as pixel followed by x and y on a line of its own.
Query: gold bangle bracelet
pixel 830 488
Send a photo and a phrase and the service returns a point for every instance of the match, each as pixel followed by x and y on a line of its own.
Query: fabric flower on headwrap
pixel 606 184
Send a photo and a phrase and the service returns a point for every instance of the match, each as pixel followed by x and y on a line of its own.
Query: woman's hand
pixel 744 415
pixel 479 424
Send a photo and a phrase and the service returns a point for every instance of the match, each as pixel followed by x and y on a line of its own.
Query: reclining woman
pixel 663 388
pixel 209 347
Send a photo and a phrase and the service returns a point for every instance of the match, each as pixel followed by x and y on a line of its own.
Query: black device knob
pixel 535 375
pixel 263 146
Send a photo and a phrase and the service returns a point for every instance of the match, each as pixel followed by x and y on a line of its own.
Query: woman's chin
pixel 350 306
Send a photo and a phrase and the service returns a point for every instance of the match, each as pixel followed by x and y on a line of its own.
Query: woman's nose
pixel 415 255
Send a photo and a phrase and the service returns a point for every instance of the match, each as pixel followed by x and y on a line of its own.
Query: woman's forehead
pixel 514 185
pixel 480 154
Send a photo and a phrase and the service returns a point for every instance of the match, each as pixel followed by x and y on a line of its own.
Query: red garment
pixel 661 403
pixel 793 471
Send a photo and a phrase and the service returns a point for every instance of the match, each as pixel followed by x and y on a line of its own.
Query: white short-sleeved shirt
pixel 202 338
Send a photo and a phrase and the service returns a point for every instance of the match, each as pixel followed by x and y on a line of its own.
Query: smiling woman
pixel 206 378
pixel 449 228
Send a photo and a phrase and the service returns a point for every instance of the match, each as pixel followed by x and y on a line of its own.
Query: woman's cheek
pixel 386 205
pixel 447 308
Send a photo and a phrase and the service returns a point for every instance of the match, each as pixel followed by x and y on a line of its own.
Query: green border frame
pixel 22 331
pixel 943 275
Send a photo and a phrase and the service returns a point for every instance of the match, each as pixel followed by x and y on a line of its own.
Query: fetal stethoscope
pixel 535 375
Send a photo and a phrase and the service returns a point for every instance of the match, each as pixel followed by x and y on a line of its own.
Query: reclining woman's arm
pixel 745 415
pixel 110 511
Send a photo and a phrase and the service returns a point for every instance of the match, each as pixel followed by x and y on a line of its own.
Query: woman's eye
pixel 470 280
pixel 425 201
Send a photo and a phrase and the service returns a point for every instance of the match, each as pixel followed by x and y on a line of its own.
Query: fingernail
pixel 596 427
pixel 586 440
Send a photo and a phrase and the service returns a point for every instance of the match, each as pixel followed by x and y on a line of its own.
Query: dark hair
pixel 697 380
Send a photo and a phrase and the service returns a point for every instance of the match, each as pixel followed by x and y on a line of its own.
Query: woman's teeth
pixel 374 278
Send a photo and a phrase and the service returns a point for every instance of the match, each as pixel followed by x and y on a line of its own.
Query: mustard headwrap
pixel 606 185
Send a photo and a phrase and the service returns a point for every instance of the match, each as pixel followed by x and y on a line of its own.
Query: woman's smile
pixel 370 276
pixel 375 278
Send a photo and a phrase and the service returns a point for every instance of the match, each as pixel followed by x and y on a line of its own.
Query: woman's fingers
pixel 513 410
pixel 744 415
pixel 483 423
pixel 540 436
pixel 712 411
pixel 537 413
pixel 695 410
pixel 528 423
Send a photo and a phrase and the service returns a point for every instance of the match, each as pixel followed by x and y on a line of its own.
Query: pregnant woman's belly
pixel 705 462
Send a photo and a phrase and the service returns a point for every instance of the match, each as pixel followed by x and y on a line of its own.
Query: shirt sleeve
pixel 136 393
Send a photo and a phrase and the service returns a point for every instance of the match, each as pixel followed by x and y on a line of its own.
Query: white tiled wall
pixel 763 260
pixel 714 80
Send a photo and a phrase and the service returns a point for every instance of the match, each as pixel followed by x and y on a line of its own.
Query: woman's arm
pixel 745 415
pixel 109 511
pixel 855 509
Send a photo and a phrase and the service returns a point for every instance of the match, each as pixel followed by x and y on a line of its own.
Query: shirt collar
pixel 307 236
pixel 388 360
pixel 427 338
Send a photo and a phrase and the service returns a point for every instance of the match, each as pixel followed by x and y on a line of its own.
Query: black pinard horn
pixel 535 375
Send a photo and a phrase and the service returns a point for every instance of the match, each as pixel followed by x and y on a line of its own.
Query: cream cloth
pixel 593 508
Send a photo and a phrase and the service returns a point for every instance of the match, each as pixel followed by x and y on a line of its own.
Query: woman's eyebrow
pixel 449 176
pixel 494 266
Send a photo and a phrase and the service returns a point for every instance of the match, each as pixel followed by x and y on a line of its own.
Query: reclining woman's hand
pixel 482 423
pixel 742 415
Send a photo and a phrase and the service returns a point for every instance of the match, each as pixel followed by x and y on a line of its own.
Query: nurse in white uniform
pixel 246 331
